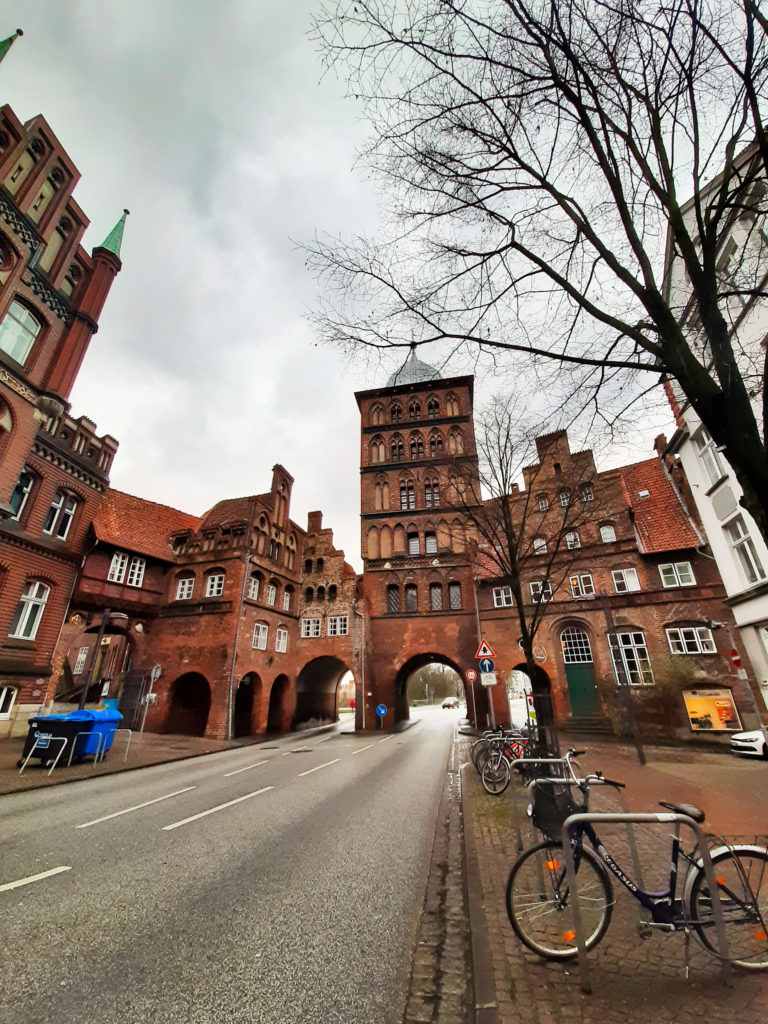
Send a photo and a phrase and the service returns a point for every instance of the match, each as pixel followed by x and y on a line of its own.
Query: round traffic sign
pixel 471 675
pixel 486 665
pixel 381 710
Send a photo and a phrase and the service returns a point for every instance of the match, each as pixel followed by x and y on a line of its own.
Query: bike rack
pixel 630 819
pixel 127 745
pixel 47 739
pixel 100 741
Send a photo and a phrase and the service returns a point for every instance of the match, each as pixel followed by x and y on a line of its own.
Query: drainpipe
pixel 479 641
pixel 362 665
pixel 238 620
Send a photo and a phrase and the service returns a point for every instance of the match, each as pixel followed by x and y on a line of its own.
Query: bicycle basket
pixel 552 803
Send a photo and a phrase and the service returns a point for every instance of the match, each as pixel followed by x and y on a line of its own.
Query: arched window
pixel 60 515
pixel 430 543
pixel 539 546
pixel 411 597
pixel 319 565
pixel 287 598
pixel 376 451
pixel 435 597
pixel 416 446
pixel 573 540
pixel 377 415
pixel 185 587
pixel 214 583
pixel 414 410
pixel 29 610
pixel 272 588
pixel 309 595
pixel 407 495
pixel 413 544
pixel 432 493
pixel 435 443
pixel 321 593
pixel 21 492
pixel 332 592
pixel 451 405
pixel 373 542
pixel 307 565
pixel 290 552
pixel 607 533
pixel 395 412
pixel 397 448
pixel 575 645
pixel 381 495
pixel 454 596
pixel 393 599
pixel 433 408
pixel 455 442
pixel 18 332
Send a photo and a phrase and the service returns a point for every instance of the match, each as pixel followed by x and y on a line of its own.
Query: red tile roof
pixel 662 522
pixel 135 524
pixel 231 510
pixel 486 566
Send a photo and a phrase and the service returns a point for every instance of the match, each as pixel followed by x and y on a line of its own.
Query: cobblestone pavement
pixel 633 979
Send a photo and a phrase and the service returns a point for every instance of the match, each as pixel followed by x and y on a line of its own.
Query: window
pixel 254 582
pixel 576 647
pixel 411 597
pixel 18 332
pixel 407 495
pixel 82 654
pixel 413 544
pixel 281 640
pixel 7 697
pixel 60 515
pixel 414 410
pixel 215 585
pixel 629 653
pixel 542 501
pixel 417 446
pixel 287 594
pixel 431 494
pixel 607 534
pixel 184 588
pixel 117 567
pixel 539 546
pixel 677 574
pixel 625 581
pixel 310 627
pixel 435 597
pixel 260 634
pixel 691 640
pixel 338 625
pixel 332 592
pixel 393 599
pixel 433 408
pixel 136 572
pixel 585 492
pixel 21 492
pixel 744 548
pixel 541 590
pixel 29 610
pixel 435 443
pixel 271 595
pixel 430 543
pixel 582 585
pixel 397 448
pixel 395 412
pixel 321 593
pixel 710 457
pixel 309 595
pixel 564 497
pixel 572 540
pixel 502 597
pixel 454 596
pixel 376 450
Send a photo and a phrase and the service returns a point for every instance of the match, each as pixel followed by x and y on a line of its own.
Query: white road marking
pixel 310 770
pixel 136 807
pixel 212 810
pixel 33 878
pixel 362 748
pixel 390 737
pixel 247 768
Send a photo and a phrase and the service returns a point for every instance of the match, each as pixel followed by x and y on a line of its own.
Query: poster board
pixel 712 711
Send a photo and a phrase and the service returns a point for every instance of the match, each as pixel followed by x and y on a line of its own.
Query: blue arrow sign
pixel 486 665
pixel 381 710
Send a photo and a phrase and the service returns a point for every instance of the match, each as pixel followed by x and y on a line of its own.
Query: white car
pixel 451 702
pixel 751 743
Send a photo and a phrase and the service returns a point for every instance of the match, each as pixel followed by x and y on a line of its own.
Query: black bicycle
pixel 538 894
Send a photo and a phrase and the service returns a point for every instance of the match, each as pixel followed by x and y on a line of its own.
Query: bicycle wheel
pixel 538 901
pixel 477 748
pixel 495 774
pixel 742 879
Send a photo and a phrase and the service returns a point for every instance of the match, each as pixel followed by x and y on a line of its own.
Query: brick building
pixel 54 468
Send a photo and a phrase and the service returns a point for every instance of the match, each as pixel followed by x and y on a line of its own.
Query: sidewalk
pixel 632 979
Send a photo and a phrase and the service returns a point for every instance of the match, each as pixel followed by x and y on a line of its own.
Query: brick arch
pixel 317 689
pixel 190 704
pixel 414 662
pixel 373 542
pixel 385 547
pixel 281 699
pixel 247 717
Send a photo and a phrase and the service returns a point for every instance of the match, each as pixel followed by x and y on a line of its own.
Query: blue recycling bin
pixel 105 724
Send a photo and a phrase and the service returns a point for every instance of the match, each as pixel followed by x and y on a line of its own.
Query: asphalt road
pixel 273 883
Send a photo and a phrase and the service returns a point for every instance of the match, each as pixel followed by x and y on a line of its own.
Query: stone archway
pixel 247 701
pixel 415 662
pixel 190 704
pixel 317 690
pixel 278 717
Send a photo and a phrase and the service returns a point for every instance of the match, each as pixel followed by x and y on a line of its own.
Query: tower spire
pixel 6 44
pixel 114 239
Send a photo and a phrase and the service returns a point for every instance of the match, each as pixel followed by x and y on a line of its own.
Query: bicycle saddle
pixel 689 809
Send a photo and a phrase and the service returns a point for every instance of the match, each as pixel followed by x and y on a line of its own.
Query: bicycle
pixel 537 895
pixel 496 766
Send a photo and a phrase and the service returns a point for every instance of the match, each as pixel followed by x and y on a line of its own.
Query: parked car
pixel 451 702
pixel 752 743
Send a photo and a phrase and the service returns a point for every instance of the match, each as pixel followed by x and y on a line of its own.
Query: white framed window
pixel 607 533
pixel 18 332
pixel 29 610
pixel 117 567
pixel 260 636
pixel 271 594
pixel 564 497
pixel 539 546
pixel 253 587
pixel 79 665
pixel 185 588
pixel 691 640
pixel 136 571
pixel 576 647
pixel 710 457
pixel 7 697
pixel 582 585
pixel 214 585
pixel 677 574
pixel 572 540
pixel 541 590
pixel 310 627
pixel 338 625
pixel 60 515
pixel 744 549
pixel 586 493
pixel 287 599
pixel 502 597
pixel 629 651
pixel 625 581
pixel 281 640
pixel 21 492
pixel 542 502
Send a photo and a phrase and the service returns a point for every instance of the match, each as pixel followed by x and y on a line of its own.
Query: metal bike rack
pixel 100 741
pixel 127 745
pixel 633 818
pixel 46 739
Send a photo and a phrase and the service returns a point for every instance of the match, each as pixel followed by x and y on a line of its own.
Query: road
pixel 273 883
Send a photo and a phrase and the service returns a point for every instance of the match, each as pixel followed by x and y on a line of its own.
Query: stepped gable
pixel 138 525
pixel 661 520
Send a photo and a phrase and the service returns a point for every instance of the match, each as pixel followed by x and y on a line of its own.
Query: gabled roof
pixel 135 524
pixel 662 522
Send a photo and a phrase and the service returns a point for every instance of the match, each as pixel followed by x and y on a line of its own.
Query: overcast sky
pixel 210 122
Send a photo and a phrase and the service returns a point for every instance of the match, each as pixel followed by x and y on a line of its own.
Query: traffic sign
pixel 486 665
pixel 471 675
pixel 484 651
pixel 488 678
pixel 381 710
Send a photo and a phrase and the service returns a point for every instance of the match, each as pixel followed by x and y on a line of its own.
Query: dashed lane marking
pixel 310 770
pixel 33 878
pixel 212 810
pixel 247 768
pixel 136 807
pixel 362 748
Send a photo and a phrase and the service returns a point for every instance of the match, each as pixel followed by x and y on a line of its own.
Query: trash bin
pixel 105 724
pixel 75 728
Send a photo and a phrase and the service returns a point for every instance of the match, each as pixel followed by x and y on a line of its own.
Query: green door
pixel 579 672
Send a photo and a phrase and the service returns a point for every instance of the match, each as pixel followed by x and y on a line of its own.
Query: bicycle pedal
pixel 644 930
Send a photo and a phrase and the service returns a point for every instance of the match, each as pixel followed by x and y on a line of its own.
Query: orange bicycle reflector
pixel 553 865
pixel 569 936
pixel 720 881
pixel 760 936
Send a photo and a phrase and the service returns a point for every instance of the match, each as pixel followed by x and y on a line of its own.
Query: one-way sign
pixel 484 651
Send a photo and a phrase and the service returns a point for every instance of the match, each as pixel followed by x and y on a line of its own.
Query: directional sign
pixel 471 675
pixel 484 651
pixel 381 710
pixel 486 666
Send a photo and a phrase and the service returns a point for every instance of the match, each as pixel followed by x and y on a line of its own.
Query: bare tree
pixel 545 163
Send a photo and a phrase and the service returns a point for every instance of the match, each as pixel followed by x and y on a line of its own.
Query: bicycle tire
pixel 476 749
pixel 537 901
pixel 742 877
pixel 495 774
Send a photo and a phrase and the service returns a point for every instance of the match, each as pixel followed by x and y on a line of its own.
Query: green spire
pixel 6 44
pixel 114 239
